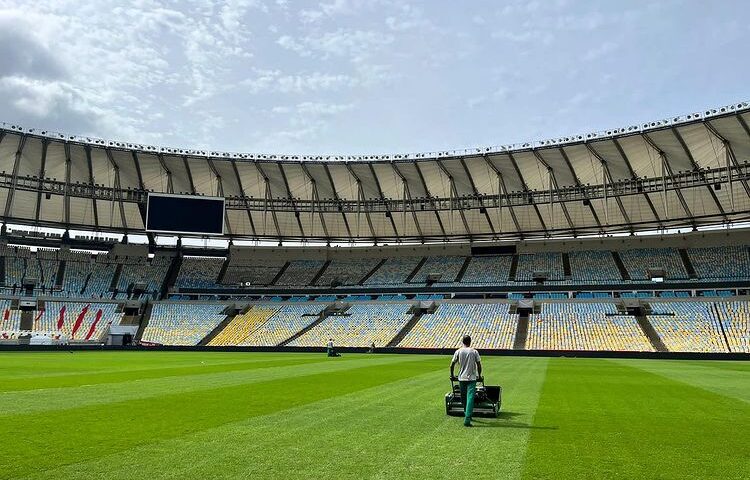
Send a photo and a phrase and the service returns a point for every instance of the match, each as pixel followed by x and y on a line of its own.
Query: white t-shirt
pixel 468 358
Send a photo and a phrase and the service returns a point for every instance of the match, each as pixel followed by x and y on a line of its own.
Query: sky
pixel 363 76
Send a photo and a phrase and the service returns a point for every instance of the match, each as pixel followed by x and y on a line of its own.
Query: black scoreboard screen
pixel 185 214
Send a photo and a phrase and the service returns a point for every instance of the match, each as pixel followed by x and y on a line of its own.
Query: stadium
pixel 581 301
pixel 623 244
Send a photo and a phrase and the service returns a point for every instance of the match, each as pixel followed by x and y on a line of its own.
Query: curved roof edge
pixel 560 141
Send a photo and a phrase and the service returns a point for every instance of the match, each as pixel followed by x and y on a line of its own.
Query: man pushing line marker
pixel 471 370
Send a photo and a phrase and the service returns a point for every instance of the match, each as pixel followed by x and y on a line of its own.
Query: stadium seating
pixel 720 262
pixel 81 321
pixel 593 266
pixel 199 272
pixel 359 327
pixel 638 261
pixel 584 326
pixel 243 326
pixel 142 270
pixel 735 318
pixel 446 267
pixel 687 326
pixel 10 320
pixel 349 272
pixel 394 271
pixel 252 271
pixel 300 273
pixel 492 269
pixel 182 323
pixel 549 262
pixel 489 324
pixel 288 320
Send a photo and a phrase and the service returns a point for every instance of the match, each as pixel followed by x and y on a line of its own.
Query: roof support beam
pixel 731 158
pixel 316 198
pixel 476 192
pixel 336 197
pixel 42 169
pixel 14 180
pixel 360 198
pixel 667 170
pixel 578 184
pixel 389 214
pixel 244 196
pixel 189 174
pixel 698 169
pixel 608 176
pixel 553 182
pixel 294 204
pixel 170 185
pixel 633 175
pixel 429 194
pixel 407 195
pixel 268 196
pixel 137 164
pixel 66 198
pixel 220 192
pixel 454 194
pixel 501 186
pixel 526 190
pixel 117 194
pixel 87 149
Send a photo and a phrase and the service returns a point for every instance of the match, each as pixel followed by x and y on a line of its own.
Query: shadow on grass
pixel 499 423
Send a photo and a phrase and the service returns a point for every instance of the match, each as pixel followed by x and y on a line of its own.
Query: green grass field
pixel 152 415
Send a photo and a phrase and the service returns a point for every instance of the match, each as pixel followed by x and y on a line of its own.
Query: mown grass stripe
pixel 613 420
pixel 731 382
pixel 78 379
pixel 393 430
pixel 52 400
pixel 42 441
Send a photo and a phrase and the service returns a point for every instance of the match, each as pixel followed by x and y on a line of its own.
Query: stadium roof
pixel 685 171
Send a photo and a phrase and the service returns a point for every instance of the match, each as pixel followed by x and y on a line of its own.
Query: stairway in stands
pixel 522 332
pixel 720 321
pixel 688 263
pixel 319 274
pixel 212 334
pixel 279 274
pixel 59 279
pixel 222 272
pixel 513 268
pixel 144 322
pixel 461 272
pixel 372 272
pixel 407 328
pixel 115 279
pixel 620 266
pixel 651 333
pixel 416 269
pixel 171 277
pixel 566 266
pixel 323 315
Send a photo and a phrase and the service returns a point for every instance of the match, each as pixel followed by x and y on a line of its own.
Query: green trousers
pixel 468 389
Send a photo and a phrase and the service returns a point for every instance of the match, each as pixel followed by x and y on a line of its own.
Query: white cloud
pixel 353 44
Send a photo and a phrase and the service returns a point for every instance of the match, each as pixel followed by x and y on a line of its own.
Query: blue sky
pixel 363 76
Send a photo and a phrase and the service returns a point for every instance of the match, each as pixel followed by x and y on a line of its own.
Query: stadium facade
pixel 517 245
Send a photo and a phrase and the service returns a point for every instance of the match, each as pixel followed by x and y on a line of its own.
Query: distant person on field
pixel 470 372
pixel 330 350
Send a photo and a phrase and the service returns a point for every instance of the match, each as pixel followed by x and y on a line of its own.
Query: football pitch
pixel 215 415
